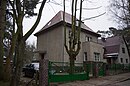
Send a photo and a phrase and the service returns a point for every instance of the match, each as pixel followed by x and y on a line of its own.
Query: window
pixel 121 60
pixel 123 50
pixel 85 56
pixel 97 56
pixel 126 60
pixel 88 38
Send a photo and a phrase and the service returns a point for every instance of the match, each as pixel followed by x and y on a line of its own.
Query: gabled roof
pixel 111 44
pixel 112 49
pixel 58 20
pixel 115 40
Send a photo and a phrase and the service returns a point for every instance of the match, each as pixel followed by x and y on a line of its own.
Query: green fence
pixel 59 72
pixel 118 68
pixel 95 69
pixel 101 69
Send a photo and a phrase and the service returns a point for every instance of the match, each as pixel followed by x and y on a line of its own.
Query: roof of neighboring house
pixel 58 20
pixel 112 49
pixel 111 44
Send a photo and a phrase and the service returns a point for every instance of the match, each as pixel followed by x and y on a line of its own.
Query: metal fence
pixel 112 69
pixel 59 71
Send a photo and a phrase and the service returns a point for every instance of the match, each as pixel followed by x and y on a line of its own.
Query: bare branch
pixel 94 17
pixel 36 23
pixel 123 3
pixel 52 7
pixel 64 25
pixel 91 8
pixel 54 2
pixel 14 11
pixel 117 15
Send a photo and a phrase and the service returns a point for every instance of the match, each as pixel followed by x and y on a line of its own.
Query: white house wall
pixel 123 55
pixel 90 48
pixel 52 42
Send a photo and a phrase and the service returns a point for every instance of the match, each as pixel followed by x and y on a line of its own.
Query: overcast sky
pixel 101 23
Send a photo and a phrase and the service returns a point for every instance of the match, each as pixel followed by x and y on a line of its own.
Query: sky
pixel 50 9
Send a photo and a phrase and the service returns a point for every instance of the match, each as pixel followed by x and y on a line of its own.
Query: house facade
pixel 115 50
pixel 50 39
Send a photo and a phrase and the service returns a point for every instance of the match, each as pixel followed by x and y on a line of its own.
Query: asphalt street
pixel 114 80
pixel 123 83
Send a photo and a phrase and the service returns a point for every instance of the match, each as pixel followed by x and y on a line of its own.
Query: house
pixel 50 39
pixel 115 50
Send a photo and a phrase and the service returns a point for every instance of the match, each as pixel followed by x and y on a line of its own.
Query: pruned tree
pixel 73 45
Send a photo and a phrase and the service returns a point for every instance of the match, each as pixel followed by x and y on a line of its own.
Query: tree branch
pixel 14 11
pixel 91 8
pixel 18 7
pixel 64 23
pixel 117 15
pixel 79 28
pixel 94 16
pixel 36 23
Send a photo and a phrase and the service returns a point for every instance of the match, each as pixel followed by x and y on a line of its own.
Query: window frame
pixel 88 38
pixel 123 50
pixel 121 59
pixel 126 60
pixel 85 56
pixel 97 57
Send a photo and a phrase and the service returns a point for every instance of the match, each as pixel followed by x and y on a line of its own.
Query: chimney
pixel 103 39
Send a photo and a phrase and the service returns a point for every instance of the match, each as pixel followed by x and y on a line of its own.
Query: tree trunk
pixel 19 63
pixel 7 72
pixel 72 60
pixel 2 26
pixel 126 45
pixel 21 39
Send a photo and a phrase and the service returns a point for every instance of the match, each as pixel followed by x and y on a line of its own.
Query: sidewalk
pixel 101 81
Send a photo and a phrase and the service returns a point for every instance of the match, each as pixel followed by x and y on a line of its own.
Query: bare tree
pixel 120 10
pixel 73 46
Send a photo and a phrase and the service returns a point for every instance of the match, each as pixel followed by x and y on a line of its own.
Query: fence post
pixel 104 69
pixel 43 72
pixel 95 69
pixel 86 65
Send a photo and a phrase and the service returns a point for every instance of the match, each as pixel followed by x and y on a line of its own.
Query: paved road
pixel 124 83
pixel 115 80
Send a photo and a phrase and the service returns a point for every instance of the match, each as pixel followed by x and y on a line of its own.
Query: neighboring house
pixel 50 39
pixel 115 50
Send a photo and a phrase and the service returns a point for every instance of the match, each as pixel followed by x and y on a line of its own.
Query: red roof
pixel 58 18
pixel 111 44
pixel 112 49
